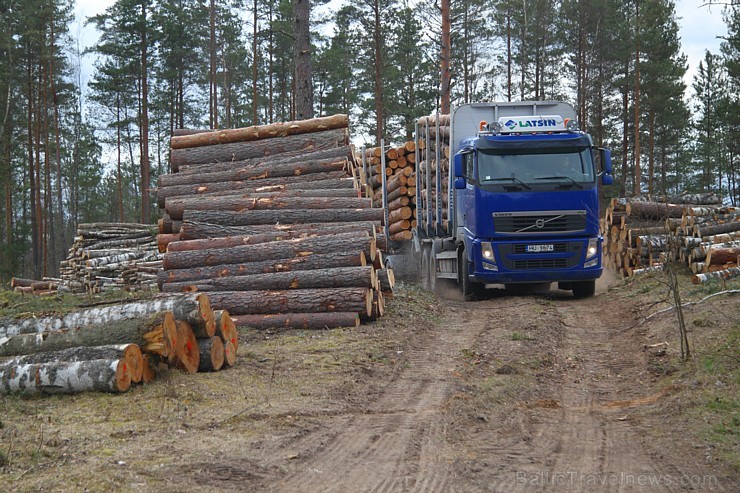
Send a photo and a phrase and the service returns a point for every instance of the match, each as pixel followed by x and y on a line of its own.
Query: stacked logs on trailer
pixel 399 165
pixel 108 256
pixel 270 221
pixel 434 147
pixel 110 348
pixel 641 235
pixel 47 286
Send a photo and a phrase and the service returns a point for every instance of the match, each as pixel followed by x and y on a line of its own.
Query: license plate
pixel 540 248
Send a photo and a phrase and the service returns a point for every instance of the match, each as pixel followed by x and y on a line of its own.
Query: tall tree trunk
pixel 57 140
pixel 445 48
pixel 144 132
pixel 303 72
pixel 270 71
pixel 651 152
pixel 508 51
pixel 377 48
pixel 118 161
pixel 35 247
pixel 213 96
pixel 625 130
pixel 255 57
pixel 638 170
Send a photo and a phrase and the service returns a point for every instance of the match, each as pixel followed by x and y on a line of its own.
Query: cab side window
pixel 468 165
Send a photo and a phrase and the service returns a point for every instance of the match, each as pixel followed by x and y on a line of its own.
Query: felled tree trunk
pixel 176 207
pixel 247 150
pixel 294 301
pixel 345 242
pixel 226 329
pixel 287 216
pixel 130 353
pixel 317 321
pixel 302 262
pixel 334 277
pixel 328 180
pixel 154 333
pixel 726 274
pixel 63 377
pixel 260 132
pixel 181 306
pixel 187 354
pixel 717 229
pixel 211 354
pixel 342 152
pixel 201 230
pixel 654 210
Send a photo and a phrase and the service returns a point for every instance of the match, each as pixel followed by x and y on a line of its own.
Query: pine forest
pixel 74 150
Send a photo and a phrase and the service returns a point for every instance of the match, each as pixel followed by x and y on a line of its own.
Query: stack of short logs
pixel 697 230
pixel 400 180
pixel 46 286
pixel 108 256
pixel 271 222
pixel 109 348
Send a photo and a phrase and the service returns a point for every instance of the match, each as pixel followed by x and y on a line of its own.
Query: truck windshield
pixel 570 165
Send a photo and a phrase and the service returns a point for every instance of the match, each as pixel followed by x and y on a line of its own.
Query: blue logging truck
pixel 520 205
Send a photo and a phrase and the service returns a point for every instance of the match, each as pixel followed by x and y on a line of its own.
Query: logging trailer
pixel 520 205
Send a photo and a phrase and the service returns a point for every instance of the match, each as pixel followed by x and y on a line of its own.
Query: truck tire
pixel 469 288
pixel 584 289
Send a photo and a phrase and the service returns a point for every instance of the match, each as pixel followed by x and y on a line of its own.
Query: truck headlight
pixel 593 248
pixel 487 251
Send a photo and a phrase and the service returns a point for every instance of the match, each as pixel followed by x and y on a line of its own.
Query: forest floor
pixel 536 392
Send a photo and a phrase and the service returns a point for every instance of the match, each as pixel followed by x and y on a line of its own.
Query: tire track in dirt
pixel 585 443
pixel 398 442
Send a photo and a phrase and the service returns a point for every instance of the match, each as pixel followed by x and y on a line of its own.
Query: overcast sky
pixel 700 29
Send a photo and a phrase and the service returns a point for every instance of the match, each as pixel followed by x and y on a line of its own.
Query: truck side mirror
pixel 458 163
pixel 460 183
pixel 606 179
pixel 605 156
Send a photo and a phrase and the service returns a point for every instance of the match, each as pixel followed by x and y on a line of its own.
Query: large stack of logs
pixel 434 139
pixel 109 348
pixel 400 181
pixel 111 256
pixel 642 235
pixel 271 222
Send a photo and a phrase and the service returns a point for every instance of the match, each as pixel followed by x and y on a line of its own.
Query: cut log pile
pixel 109 348
pixel 47 286
pixel 400 182
pixel 434 136
pixel 273 223
pixel 642 235
pixel 111 256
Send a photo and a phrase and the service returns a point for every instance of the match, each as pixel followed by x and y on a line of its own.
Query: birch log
pixel 63 377
pixel 128 352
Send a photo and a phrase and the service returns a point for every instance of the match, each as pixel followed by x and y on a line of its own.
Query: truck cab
pixel 523 200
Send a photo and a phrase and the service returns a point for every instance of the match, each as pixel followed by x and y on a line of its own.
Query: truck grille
pixel 533 223
pixel 538 264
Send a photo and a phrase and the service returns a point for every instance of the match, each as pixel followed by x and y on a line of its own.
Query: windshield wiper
pixel 514 179
pixel 560 178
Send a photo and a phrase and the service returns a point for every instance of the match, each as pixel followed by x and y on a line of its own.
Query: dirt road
pixel 529 393
pixel 572 427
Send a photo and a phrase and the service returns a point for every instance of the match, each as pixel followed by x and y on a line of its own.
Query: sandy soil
pixel 535 392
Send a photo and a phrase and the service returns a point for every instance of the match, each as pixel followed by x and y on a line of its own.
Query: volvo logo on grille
pixel 540 223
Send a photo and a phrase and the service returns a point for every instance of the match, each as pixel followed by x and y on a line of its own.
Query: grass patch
pixel 519 336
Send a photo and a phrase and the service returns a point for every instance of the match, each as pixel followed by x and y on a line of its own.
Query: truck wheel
pixel 584 289
pixel 469 288
pixel 425 268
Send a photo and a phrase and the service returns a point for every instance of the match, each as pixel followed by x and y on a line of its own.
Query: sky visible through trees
pixel 84 131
